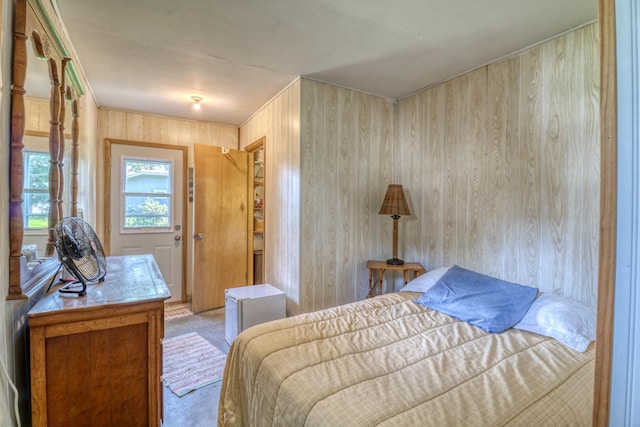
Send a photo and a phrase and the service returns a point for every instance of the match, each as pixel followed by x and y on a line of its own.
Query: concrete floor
pixel 199 407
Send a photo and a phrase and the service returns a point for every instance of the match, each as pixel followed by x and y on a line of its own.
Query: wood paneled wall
pixel 347 142
pixel 279 122
pixel 122 125
pixel 130 126
pixel 501 168
pixel 38 116
pixel 326 175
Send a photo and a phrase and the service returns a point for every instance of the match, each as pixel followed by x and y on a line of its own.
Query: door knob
pixel 177 237
pixel 199 236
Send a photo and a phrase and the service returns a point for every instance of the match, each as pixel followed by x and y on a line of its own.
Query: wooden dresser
pixel 97 360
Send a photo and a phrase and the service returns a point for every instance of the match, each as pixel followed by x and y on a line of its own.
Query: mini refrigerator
pixel 247 306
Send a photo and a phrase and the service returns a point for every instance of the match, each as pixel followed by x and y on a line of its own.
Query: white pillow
pixel 568 321
pixel 425 281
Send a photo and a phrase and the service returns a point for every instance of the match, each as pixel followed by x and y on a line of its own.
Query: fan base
pixel 74 288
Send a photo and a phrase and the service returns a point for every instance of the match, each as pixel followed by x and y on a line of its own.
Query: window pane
pixel 36 172
pixel 36 210
pixel 143 176
pixel 147 211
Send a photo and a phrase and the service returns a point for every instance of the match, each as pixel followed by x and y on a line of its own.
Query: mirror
pixel 35 194
pixel 46 89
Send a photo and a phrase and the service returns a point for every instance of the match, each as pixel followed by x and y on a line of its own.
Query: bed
pixel 390 361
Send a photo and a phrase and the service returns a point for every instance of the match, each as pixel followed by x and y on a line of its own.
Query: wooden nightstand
pixel 382 266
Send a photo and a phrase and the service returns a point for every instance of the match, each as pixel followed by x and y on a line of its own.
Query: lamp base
pixel 395 261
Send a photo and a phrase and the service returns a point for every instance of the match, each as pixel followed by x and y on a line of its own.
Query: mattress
pixel 388 361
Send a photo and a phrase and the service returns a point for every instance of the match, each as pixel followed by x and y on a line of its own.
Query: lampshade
pixel 394 202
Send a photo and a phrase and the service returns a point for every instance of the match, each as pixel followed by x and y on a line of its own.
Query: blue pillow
pixel 491 304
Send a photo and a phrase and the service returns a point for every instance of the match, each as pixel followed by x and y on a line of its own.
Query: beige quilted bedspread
pixel 389 361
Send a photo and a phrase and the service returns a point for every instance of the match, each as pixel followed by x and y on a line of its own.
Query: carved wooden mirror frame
pixel 24 281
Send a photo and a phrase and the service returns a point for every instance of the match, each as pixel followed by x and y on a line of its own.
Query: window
pixel 147 193
pixel 36 189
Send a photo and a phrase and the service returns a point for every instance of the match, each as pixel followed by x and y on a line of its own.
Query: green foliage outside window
pixel 38 170
pixel 150 213
pixel 36 189
pixel 38 222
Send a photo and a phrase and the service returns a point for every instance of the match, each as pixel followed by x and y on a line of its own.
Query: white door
pixel 146 208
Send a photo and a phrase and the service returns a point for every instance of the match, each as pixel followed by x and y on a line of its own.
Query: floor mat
pixel 177 310
pixel 191 362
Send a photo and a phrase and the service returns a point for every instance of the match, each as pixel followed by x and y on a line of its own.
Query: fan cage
pixel 80 249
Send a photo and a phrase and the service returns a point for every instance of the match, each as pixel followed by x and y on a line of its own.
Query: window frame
pixel 170 194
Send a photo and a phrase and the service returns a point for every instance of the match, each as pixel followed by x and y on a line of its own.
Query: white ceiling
pixel 152 55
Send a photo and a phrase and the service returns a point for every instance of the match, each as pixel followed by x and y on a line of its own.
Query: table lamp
pixel 395 204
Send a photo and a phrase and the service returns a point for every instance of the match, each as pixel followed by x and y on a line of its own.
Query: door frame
pixel 608 212
pixel 107 203
pixel 255 145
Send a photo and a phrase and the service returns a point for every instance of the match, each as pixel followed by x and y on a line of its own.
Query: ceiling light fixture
pixel 196 102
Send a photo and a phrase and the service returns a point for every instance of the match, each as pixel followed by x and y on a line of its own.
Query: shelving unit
pixel 257 212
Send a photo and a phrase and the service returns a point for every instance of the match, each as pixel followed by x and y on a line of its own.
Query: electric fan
pixel 80 252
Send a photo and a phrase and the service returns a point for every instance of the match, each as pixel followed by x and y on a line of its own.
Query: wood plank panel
pixel 497 116
pixel 78 369
pixel 554 197
pixel 57 380
pixel 529 158
pixel 409 119
pixel 308 157
pixel 138 372
pixel 348 211
pixel 363 196
pixel 381 164
pixel 37 115
pixel 450 182
pixel 590 231
pixel 295 104
pixel 312 131
pixel 134 127
pixel 476 159
pixel 329 192
pixel 434 198
pixel 100 380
